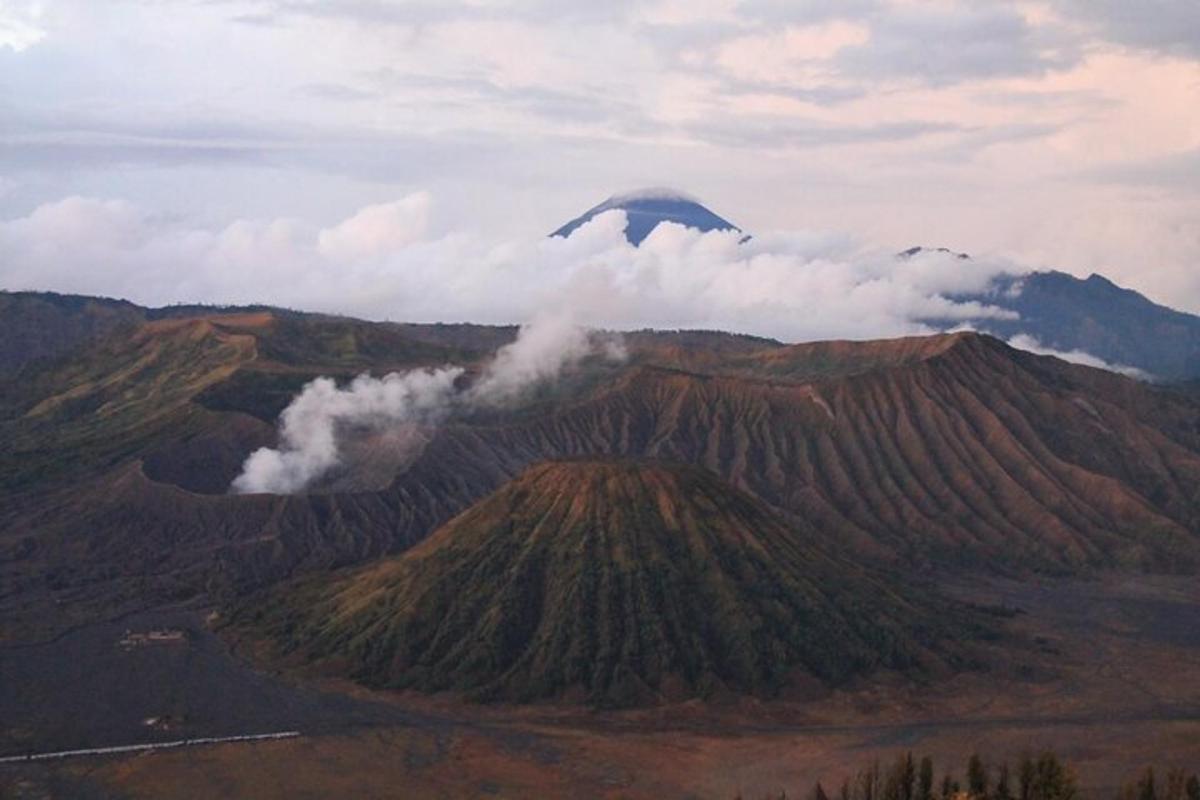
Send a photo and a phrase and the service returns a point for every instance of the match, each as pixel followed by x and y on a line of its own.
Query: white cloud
pixel 377 229
pixel 19 25
pixel 795 286
pixel 792 55
pixel 1029 343
pixel 979 125
pixel 687 12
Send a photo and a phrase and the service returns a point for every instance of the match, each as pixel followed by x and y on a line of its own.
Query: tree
pixel 1052 780
pixel 1176 783
pixel 818 792
pixel 1145 787
pixel 949 787
pixel 1192 788
pixel 1025 776
pixel 869 783
pixel 1003 790
pixel 925 779
pixel 977 778
pixel 900 779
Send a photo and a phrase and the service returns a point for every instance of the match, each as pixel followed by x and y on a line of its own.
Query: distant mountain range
pixel 1059 312
pixel 1089 315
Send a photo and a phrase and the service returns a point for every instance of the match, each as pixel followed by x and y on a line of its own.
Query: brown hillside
pixel 616 582
pixel 943 452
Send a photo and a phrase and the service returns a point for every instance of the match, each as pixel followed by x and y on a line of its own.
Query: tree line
pixel 1033 777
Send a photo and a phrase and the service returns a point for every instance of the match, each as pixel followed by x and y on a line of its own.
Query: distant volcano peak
pixel 918 250
pixel 646 208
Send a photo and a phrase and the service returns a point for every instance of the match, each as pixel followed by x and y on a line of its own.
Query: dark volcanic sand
pixel 84 690
pixel 1117 687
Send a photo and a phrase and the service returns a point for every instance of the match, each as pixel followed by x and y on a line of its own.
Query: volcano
pixel 646 208
pixel 614 583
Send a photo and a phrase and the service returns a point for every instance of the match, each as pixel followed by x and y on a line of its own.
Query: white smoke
pixel 310 425
pixel 542 349
pixel 314 424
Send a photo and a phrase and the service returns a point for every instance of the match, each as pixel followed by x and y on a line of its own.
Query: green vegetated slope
pixel 617 583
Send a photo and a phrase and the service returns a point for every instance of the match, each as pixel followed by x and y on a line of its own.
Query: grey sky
pixel 1060 134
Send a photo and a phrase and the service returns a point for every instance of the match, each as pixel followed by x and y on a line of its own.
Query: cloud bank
pixel 1023 341
pixel 383 263
pixel 1059 131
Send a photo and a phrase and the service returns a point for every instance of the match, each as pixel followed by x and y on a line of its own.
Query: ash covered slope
pixel 618 583
pixel 647 208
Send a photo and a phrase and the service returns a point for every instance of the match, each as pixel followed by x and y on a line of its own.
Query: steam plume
pixel 541 350
pixel 309 426
pixel 313 424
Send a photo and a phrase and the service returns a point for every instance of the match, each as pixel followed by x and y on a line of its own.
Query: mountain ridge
pixel 1091 317
pixel 948 452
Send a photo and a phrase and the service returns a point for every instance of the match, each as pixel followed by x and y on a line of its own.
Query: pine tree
pixel 898 784
pixel 1052 780
pixel 1025 776
pixel 869 783
pixel 1176 783
pixel 947 787
pixel 818 792
pixel 1192 788
pixel 1146 790
pixel 909 778
pixel 977 778
pixel 1003 790
pixel 925 779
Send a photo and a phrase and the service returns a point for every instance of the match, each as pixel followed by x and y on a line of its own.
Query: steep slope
pixel 645 209
pixel 616 582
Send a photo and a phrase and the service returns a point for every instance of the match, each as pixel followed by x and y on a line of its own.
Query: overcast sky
pixel 1060 134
